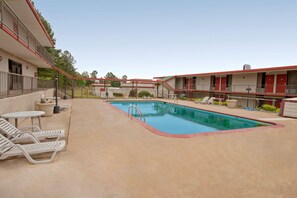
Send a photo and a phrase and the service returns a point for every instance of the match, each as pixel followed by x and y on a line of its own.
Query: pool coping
pixel 160 133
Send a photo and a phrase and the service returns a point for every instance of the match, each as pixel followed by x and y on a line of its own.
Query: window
pixel 14 67
pixel 15 81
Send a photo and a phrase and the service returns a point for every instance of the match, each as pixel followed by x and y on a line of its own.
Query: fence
pixel 103 88
pixel 15 84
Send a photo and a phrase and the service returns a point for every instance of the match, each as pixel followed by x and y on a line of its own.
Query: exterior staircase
pixel 165 89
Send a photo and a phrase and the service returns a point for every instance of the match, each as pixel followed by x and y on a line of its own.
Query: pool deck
pixel 109 155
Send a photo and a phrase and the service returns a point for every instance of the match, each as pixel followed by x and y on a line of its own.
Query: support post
pixel 72 94
pixel 65 95
pixel 56 107
pixel 247 100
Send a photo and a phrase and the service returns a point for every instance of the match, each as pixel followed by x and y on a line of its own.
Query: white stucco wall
pixel 28 69
pixel 171 82
pixel 125 91
pixel 24 102
pixel 241 82
pixel 203 83
pixel 178 83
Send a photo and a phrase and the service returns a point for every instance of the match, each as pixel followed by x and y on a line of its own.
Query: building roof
pixel 267 69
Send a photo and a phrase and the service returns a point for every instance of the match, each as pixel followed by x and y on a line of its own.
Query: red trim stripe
pixel 278 68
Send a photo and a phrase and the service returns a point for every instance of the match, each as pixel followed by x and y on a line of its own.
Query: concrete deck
pixel 109 155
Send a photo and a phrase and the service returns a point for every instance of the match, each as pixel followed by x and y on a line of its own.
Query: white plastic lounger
pixel 9 149
pixel 204 100
pixel 17 135
pixel 211 99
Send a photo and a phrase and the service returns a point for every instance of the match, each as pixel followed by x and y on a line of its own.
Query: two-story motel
pixel 265 85
pixel 22 37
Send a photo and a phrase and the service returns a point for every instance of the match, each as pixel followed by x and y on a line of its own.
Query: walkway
pixel 109 155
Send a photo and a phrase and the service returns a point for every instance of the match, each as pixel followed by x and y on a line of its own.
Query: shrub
pixel 218 103
pixel 132 93
pixel 268 107
pixel 117 94
pixel 197 99
pixel 144 93
pixel 224 103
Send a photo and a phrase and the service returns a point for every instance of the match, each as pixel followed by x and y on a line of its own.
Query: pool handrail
pixel 130 111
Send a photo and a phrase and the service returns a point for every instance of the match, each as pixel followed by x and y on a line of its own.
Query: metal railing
pixel 15 84
pixel 191 86
pixel 173 98
pixel 162 93
pixel 12 23
pixel 131 109
pixel 291 89
pixel 275 89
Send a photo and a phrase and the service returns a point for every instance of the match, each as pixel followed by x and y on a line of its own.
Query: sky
pixel 149 38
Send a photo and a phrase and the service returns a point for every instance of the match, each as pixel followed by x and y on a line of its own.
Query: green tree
pixel 94 74
pixel 85 74
pixel 110 75
pixel 62 60
pixel 46 25
pixel 124 77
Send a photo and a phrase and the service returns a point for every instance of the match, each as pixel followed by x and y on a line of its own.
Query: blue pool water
pixel 178 119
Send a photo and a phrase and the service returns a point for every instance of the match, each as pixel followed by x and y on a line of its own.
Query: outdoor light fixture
pixel 56 107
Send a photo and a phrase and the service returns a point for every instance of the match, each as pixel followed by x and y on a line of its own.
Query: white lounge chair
pixel 9 149
pixel 182 95
pixel 17 135
pixel 211 99
pixel 204 100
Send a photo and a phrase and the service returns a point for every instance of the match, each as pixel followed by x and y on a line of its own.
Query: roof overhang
pixel 10 45
pixel 25 10
pixel 268 69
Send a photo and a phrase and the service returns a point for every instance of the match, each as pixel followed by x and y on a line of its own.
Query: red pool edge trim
pixel 155 131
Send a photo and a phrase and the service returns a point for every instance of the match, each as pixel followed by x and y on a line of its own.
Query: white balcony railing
pixel 15 84
pixel 275 89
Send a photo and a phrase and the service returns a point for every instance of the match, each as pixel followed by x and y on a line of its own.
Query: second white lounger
pixel 10 149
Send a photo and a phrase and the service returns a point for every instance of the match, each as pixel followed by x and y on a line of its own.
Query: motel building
pixel 252 87
pixel 22 41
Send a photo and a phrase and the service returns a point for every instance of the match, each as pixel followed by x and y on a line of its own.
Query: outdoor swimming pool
pixel 182 120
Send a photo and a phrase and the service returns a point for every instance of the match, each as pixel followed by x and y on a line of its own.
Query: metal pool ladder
pixel 137 109
pixel 173 98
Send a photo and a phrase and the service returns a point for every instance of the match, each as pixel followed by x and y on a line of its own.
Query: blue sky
pixel 147 38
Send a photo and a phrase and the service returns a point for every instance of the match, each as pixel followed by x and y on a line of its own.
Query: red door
pixel 190 84
pixel 217 85
pixel 269 83
pixel 187 84
pixel 281 82
pixel 223 83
